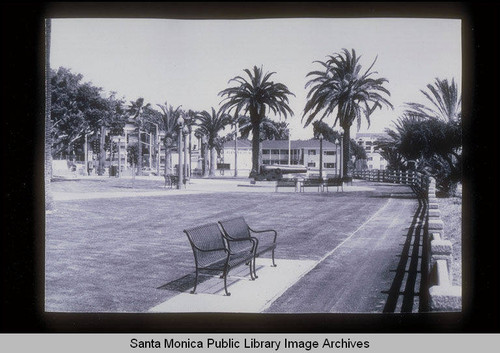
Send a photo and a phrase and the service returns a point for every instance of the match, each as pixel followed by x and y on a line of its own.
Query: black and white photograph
pixel 209 170
pixel 264 166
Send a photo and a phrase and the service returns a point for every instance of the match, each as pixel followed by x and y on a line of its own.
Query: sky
pixel 188 62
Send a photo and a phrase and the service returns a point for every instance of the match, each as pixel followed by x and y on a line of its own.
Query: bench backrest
pixel 236 228
pixel 207 242
pixel 334 181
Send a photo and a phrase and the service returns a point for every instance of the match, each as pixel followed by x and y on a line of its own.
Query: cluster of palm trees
pixel 430 136
pixel 339 87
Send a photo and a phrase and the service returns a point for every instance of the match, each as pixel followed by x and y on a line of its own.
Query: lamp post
pixel 235 149
pixel 320 156
pixel 85 152
pixel 341 154
pixel 119 157
pixel 289 146
pixel 180 169
pixel 185 132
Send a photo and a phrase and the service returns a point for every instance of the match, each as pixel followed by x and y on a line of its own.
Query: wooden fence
pixel 418 181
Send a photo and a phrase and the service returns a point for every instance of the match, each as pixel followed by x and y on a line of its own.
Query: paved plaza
pixel 116 245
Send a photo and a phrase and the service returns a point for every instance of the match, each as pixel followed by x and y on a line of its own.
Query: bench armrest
pixel 254 241
pixel 265 231
pixel 208 250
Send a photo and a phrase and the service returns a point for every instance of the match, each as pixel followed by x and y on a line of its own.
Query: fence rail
pixel 417 180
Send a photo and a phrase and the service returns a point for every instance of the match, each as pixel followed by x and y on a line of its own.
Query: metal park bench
pixel 286 183
pixel 311 182
pixel 215 253
pixel 238 229
pixel 335 181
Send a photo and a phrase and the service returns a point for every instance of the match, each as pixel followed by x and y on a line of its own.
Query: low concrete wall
pixel 443 296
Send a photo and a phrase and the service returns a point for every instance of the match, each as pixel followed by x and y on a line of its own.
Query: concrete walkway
pixel 375 269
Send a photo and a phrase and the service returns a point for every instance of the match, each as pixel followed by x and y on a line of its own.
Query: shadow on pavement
pixel 411 272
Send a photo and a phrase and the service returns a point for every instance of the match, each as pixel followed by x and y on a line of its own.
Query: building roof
pixel 283 144
pixel 242 143
pixel 373 135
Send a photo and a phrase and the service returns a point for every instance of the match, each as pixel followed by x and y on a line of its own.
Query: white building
pixel 299 152
pixel 368 141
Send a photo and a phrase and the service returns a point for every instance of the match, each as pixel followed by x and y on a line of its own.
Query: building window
pixel 330 153
pixel 311 152
pixel 265 151
pixel 329 165
pixel 266 161
pixel 370 158
pixel 283 151
pixel 311 164
pixel 275 151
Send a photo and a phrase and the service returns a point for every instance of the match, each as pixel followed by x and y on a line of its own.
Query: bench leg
pixel 225 282
pixel 254 270
pixel 195 283
pixel 274 265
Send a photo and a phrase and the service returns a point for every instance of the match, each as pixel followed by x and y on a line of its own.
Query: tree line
pixel 425 137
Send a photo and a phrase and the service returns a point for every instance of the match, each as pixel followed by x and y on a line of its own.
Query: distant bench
pixel 336 181
pixel 221 249
pixel 286 183
pixel 313 182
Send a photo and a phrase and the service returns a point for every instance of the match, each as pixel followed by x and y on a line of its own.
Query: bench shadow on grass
pixel 408 271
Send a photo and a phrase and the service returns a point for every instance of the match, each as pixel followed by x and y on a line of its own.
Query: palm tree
pixel 210 125
pixel 341 87
pixel 136 108
pixel 49 200
pixel 445 102
pixel 168 124
pixel 269 129
pixel 256 96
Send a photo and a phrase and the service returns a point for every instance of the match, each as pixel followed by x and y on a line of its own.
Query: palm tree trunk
pixel 102 152
pixel 346 150
pixel 167 159
pixel 213 161
pixel 49 200
pixel 256 154
pixel 205 160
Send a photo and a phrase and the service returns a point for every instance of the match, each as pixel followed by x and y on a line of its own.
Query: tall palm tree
pixel 256 96
pixel 210 125
pixel 49 200
pixel 168 124
pixel 136 108
pixel 445 102
pixel 340 86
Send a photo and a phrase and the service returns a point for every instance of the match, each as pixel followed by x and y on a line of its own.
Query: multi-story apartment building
pixel 368 142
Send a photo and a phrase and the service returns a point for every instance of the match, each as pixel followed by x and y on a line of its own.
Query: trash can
pixel 113 171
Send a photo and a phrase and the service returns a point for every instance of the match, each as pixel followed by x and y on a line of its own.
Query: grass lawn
pixel 451 215
pixel 118 255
